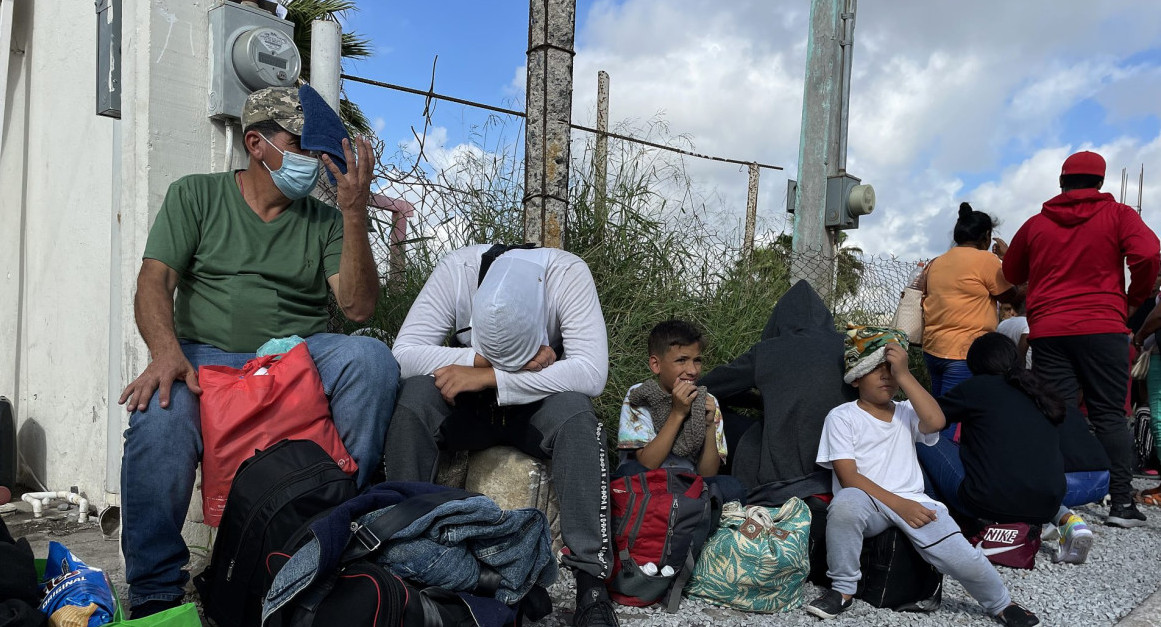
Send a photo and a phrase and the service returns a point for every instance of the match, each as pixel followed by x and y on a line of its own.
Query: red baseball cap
pixel 1084 162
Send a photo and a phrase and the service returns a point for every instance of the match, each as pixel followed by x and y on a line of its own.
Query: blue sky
pixel 950 101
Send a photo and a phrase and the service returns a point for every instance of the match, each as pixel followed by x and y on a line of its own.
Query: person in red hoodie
pixel 1072 255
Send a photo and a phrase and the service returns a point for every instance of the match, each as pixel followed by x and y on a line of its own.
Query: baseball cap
pixel 279 104
pixel 1084 162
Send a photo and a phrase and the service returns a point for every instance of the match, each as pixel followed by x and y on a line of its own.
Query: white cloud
pixel 942 94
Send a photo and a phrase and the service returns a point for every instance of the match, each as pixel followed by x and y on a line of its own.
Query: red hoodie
pixel 1073 254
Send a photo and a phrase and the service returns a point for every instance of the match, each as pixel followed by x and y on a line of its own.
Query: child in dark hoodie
pixel 1072 256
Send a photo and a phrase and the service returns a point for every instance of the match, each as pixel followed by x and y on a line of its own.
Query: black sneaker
pixel 593 607
pixel 1016 616
pixel 596 614
pixel 829 605
pixel 149 608
pixel 1125 516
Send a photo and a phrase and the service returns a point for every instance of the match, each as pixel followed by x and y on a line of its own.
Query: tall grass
pixel 657 247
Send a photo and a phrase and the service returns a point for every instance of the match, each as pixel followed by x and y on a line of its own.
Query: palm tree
pixel 353 46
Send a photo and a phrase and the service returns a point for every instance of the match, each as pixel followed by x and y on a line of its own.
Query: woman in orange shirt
pixel 963 287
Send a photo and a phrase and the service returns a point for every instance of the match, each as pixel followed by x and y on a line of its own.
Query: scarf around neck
pixel 691 438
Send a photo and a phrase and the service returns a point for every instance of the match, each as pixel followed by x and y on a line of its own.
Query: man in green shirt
pixel 250 256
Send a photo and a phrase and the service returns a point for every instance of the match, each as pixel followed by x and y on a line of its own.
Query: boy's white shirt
pixel 573 317
pixel 883 451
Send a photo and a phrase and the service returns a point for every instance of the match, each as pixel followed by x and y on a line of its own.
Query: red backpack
pixel 661 519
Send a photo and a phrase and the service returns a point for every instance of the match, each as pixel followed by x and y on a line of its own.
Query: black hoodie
pixel 798 369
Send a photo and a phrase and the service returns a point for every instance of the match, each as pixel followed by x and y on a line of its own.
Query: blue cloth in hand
pixel 322 129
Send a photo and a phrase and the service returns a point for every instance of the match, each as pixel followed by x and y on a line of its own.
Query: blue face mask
pixel 298 174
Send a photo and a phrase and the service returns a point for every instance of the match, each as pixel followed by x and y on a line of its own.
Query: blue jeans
pixel 942 465
pixel 945 373
pixel 163 447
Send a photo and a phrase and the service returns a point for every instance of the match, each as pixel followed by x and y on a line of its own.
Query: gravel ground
pixel 1122 570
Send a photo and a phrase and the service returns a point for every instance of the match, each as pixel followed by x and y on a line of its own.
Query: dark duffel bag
pixel 274 497
pixel 896 576
pixel 365 594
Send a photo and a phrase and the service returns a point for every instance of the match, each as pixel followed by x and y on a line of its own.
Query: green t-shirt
pixel 243 281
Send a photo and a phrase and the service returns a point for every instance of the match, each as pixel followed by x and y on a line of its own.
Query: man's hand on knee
pixel 454 380
pixel 159 374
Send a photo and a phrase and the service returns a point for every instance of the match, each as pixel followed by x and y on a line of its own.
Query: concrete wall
pixel 77 195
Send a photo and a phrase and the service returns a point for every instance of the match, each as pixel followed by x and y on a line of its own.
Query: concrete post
pixel 751 213
pixel 813 248
pixel 326 37
pixel 601 155
pixel 551 29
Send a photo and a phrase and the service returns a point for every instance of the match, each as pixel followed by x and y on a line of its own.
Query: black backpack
pixel 275 496
pixel 896 576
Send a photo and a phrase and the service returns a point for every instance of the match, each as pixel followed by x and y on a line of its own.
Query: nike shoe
pixel 829 605
pixel 1126 516
pixel 1075 541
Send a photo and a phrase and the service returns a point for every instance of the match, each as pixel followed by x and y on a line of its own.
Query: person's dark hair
pixel 995 353
pixel 1018 303
pixel 673 333
pixel 973 226
pixel 268 128
pixel 1069 182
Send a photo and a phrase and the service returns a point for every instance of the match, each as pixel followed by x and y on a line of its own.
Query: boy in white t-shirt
pixel 870 446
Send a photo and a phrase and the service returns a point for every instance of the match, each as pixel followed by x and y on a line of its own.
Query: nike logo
pixel 997 550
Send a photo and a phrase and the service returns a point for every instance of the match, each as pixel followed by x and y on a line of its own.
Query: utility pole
pixel 551 30
pixel 822 151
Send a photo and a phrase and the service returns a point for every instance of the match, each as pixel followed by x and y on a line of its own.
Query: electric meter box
pixel 250 49
pixel 847 199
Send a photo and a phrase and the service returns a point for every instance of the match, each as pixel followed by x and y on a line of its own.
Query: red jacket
pixel 1073 254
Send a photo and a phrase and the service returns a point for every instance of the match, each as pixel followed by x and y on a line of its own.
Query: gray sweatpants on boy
pixel 854 515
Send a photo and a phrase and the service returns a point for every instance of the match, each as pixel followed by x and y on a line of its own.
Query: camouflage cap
pixel 279 104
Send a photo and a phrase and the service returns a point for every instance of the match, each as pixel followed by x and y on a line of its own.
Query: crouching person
pixel 870 445
pixel 250 256
pixel 529 350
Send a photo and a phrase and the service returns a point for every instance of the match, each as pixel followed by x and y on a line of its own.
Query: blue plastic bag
pixel 70 582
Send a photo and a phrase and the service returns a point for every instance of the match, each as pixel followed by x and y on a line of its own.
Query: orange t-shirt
pixel 960 305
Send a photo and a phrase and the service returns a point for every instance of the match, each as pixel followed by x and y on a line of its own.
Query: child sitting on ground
pixel 669 421
pixel 870 446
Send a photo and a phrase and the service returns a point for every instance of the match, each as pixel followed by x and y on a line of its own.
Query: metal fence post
pixel 751 213
pixel 551 29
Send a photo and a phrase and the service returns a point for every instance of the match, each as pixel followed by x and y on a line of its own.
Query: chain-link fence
pixel 659 245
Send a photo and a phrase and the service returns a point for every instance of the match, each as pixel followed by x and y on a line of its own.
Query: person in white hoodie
pixel 512 355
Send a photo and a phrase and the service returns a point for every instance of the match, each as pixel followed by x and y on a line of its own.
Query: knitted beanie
pixel 866 349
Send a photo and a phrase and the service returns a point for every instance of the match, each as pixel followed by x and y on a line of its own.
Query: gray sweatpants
pixel 854 515
pixel 562 427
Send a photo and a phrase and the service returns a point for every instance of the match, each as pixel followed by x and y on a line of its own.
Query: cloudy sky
pixel 950 101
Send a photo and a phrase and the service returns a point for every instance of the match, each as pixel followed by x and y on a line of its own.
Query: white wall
pixel 56 182
pixel 77 196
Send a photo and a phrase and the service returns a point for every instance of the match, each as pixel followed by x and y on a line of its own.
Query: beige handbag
pixel 908 316
pixel 1141 367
